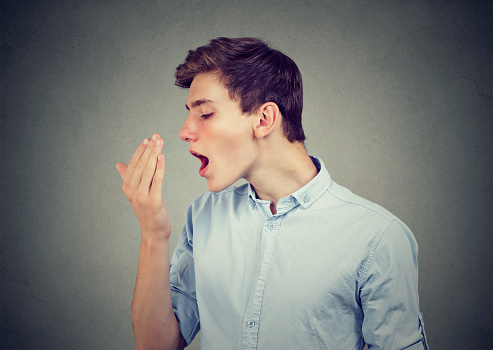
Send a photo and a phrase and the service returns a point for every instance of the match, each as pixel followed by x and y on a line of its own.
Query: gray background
pixel 398 104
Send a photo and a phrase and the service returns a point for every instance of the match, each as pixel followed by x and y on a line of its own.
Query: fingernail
pixel 154 137
pixel 146 141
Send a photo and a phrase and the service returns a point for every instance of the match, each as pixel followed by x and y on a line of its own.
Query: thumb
pixel 122 169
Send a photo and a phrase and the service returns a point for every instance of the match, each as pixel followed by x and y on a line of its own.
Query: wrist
pixel 151 238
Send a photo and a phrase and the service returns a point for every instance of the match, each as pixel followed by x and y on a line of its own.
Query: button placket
pixel 252 315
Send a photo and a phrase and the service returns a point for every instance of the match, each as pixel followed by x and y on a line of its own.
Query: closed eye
pixel 205 116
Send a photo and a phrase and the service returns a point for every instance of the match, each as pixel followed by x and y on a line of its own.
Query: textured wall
pixel 398 103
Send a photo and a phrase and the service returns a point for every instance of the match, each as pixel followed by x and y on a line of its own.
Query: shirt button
pixel 306 199
pixel 251 324
pixel 271 226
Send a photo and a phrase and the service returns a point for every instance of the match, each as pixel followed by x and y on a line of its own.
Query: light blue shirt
pixel 330 270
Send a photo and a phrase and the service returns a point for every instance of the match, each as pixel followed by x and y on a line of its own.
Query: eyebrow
pixel 198 103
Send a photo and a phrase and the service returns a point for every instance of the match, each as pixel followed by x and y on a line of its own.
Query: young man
pixel 290 260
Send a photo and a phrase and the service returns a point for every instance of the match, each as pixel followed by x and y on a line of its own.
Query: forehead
pixel 206 87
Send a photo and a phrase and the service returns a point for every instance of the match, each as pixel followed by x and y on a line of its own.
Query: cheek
pixel 230 142
pixel 237 148
pixel 232 149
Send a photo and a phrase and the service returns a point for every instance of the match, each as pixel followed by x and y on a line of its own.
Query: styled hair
pixel 254 74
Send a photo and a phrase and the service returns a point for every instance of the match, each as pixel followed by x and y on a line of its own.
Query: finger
pixel 134 160
pixel 122 169
pixel 157 180
pixel 150 168
pixel 141 165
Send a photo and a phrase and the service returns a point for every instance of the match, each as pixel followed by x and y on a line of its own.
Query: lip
pixel 204 162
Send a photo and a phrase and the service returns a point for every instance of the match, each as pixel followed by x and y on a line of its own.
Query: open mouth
pixel 204 163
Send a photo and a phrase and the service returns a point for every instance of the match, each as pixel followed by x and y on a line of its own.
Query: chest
pixel 284 258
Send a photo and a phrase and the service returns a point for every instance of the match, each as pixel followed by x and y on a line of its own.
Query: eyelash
pixel 205 116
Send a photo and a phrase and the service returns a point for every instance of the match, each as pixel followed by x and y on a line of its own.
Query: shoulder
pixel 341 202
pixel 382 236
pixel 386 238
pixel 357 206
pixel 376 225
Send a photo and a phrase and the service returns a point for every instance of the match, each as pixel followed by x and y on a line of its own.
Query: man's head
pixel 253 74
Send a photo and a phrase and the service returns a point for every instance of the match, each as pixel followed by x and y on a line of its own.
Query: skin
pixel 153 320
pixel 237 146
pixel 217 129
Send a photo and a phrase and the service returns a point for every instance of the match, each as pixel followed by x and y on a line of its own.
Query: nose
pixel 187 133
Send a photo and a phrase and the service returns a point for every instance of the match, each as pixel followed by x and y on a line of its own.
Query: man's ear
pixel 268 118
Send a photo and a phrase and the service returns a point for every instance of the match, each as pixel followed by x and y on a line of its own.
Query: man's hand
pixel 142 184
pixel 153 321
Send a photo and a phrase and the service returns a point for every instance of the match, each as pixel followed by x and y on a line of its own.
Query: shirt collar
pixel 308 194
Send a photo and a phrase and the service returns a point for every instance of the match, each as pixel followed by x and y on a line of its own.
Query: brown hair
pixel 252 72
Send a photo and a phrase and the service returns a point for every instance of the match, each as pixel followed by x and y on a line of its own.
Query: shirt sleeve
pixel 389 292
pixel 182 282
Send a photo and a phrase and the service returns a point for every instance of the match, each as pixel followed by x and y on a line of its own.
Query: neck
pixel 281 171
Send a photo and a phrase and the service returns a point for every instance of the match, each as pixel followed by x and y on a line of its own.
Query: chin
pixel 217 187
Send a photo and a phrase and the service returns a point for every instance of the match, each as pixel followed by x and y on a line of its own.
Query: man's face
pixel 220 135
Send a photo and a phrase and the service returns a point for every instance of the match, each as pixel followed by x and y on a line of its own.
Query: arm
pixel 154 323
pixel 389 294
